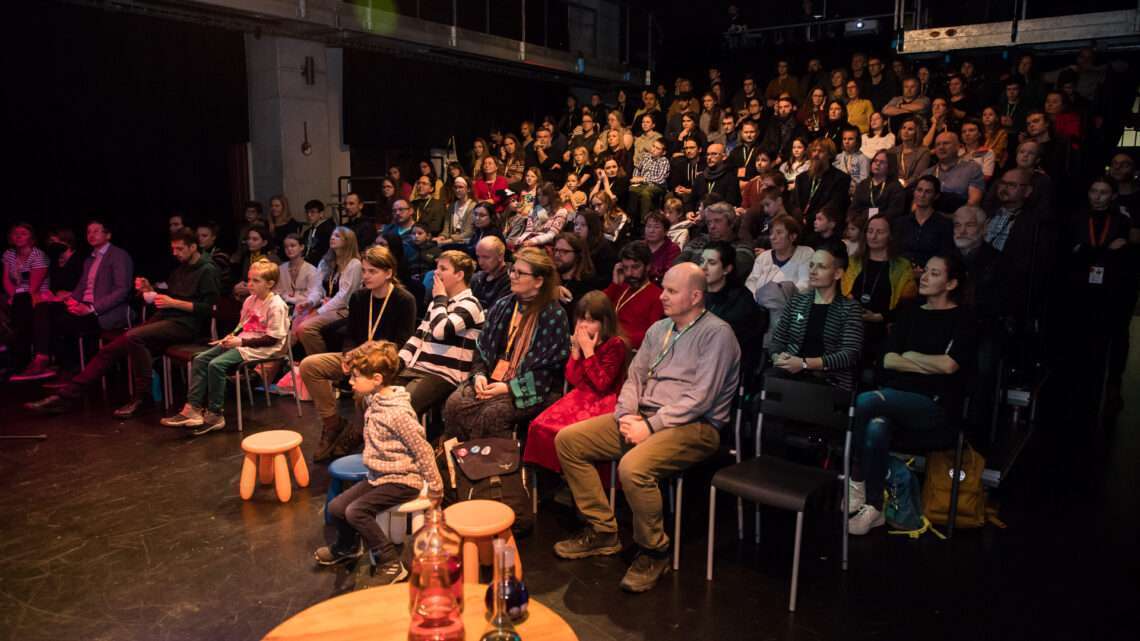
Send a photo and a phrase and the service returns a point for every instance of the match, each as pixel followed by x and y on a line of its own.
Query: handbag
pixel 489 469
pixel 293 379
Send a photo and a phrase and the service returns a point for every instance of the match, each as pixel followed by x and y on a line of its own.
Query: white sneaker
pixel 856 495
pixel 865 520
pixel 190 416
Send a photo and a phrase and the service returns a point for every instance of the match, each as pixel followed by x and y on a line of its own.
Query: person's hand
pixel 230 341
pixel 530 243
pixel 682 190
pixel 740 173
pixel 693 216
pixel 143 285
pixel 301 307
pixel 163 301
pixel 634 429
pixel 480 385
pixel 619 274
pixel 1118 243
pixel 759 251
pixel 564 295
pixel 587 340
pixel 872 317
pixel 437 288
pixel 76 308
pixel 1006 121
pixel 492 390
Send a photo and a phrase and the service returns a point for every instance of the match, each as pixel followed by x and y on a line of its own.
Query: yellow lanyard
pixel 623 300
pixel 372 326
pixel 667 345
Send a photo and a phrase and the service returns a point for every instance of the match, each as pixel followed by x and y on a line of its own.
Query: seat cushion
pixel 349 468
pixel 773 482
pixel 185 352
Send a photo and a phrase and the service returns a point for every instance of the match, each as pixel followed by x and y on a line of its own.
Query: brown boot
pixel 331 430
pixel 350 441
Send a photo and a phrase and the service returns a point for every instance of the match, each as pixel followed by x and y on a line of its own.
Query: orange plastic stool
pixel 273 447
pixel 478 523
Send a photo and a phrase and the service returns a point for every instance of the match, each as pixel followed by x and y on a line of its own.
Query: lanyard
pixel 623 300
pixel 329 284
pixel 871 191
pixel 667 344
pixel 1103 232
pixel 513 329
pixel 748 156
pixel 373 326
pixel 874 283
pixel 814 188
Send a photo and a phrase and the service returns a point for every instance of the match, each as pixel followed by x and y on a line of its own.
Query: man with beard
pixel 822 185
pixel 743 158
pixel 717 178
pixel 684 171
pixel 353 217
pixel 575 268
pixel 636 299
pixel 782 129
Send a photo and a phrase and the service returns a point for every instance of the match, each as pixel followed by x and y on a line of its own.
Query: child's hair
pixel 422 226
pixel 460 262
pixel 376 357
pixel 595 305
pixel 267 269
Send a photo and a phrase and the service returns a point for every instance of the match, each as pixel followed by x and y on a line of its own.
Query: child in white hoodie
pixel 399 462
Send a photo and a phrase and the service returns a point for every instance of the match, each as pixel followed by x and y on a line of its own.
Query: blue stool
pixel 346 468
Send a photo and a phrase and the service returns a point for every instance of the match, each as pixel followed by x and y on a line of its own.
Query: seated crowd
pixel 884 232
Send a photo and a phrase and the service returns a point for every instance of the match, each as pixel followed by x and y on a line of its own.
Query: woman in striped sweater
pixel 820 333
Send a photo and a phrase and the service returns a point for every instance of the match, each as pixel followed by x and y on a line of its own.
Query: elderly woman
pixel 520 357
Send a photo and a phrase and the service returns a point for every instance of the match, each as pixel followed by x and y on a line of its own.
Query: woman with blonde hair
pixel 520 355
pixel 338 276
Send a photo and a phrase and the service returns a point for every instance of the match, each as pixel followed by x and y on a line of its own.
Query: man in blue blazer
pixel 99 301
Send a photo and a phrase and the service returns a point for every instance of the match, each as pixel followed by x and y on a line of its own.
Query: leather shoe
pixel 54 404
pixel 130 409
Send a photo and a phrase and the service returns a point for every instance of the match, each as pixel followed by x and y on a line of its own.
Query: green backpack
pixel 903 507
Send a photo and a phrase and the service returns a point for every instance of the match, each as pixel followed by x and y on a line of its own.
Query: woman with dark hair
pixel 490 187
pixel 588 226
pixel 813 114
pixel 521 353
pixel 838 90
pixel 878 136
pixel 880 280
pixel 995 137
pixel 879 194
pixel 257 246
pixel 709 118
pixel 910 157
pixel 454 171
pixel 727 297
pixel 665 251
pixel 595 371
pixel 281 221
pixel 941 121
pixel 513 159
pixel 820 333
pixel 484 223
pixel 479 151
pixel 389 194
pixel 428 169
pixel 928 347
pixel 66 266
pixel 546 220
pixel 297 275
pixel 836 121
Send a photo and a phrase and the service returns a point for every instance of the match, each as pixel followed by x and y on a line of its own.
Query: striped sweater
pixel 444 343
pixel 842 335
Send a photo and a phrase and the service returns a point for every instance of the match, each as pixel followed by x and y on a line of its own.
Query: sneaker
pixel 866 519
pixel 646 570
pixel 330 555
pixel 36 371
pixel 54 404
pixel 190 416
pixel 211 422
pixel 386 573
pixel 588 543
pixel 856 495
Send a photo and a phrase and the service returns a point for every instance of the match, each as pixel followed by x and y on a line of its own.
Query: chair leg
pixel 249 387
pixel 297 465
pixel 237 396
pixel 677 524
pixel 712 533
pixel 534 490
pixel 82 356
pixel 613 484
pixel 103 379
pixel 264 469
pixel 759 435
pixel 166 382
pixel 796 561
pixel 281 478
pixel 846 493
pixel 296 396
pixel 265 385
pixel 248 476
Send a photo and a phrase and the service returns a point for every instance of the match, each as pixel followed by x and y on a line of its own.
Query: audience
pixel 317 232
pixel 338 277
pixel 297 276
pixel 924 232
pixel 879 281
pixel 636 299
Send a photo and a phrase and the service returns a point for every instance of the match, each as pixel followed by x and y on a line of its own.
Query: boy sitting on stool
pixel 399 461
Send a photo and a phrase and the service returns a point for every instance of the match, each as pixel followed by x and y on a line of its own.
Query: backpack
pixel 972 509
pixel 903 507
pixel 489 469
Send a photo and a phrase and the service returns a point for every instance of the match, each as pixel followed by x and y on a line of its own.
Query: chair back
pixel 812 403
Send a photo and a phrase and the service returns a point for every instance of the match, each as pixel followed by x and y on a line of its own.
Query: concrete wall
pixel 281 102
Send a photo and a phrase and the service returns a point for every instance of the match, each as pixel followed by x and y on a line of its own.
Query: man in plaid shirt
pixel 648 182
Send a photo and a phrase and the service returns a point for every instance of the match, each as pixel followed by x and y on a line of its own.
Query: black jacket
pixel 832 191
pixel 721 180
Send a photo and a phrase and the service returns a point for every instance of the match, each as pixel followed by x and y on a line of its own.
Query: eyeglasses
pixel 514 273
pixel 559 250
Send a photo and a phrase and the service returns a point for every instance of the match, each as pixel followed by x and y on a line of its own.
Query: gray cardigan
pixel 695 381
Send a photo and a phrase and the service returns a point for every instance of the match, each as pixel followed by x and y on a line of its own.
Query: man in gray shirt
pixel 677 396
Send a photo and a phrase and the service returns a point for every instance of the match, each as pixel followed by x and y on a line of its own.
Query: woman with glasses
pixel 521 353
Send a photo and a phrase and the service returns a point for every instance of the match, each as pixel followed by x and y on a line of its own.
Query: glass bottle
pixel 515 590
pixel 500 627
pixel 436 532
pixel 436 612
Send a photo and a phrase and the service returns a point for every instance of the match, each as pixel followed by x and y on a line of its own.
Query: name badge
pixel 865 299
pixel 1096 275
pixel 872 212
pixel 500 371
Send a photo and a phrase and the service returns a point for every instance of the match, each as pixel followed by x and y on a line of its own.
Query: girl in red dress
pixel 596 370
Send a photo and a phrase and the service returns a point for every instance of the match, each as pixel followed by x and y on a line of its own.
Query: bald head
pixel 489 254
pixel 946 147
pixel 492 244
pixel 683 292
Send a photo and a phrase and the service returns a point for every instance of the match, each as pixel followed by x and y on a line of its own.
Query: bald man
pixel 490 282
pixel 962 180
pixel 675 400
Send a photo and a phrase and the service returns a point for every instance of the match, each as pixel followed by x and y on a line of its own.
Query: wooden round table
pixel 381 614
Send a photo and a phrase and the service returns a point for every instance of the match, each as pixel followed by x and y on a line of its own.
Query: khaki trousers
pixel 640 468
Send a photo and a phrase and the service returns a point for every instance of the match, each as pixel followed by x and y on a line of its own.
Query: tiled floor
pixel 127 530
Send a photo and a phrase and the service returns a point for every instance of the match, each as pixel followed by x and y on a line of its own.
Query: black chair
pixel 774 482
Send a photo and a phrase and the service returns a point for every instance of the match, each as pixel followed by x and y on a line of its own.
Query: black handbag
pixel 490 469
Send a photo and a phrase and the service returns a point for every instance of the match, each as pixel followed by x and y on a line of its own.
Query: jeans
pixel 354 513
pixel 877 413
pixel 208 377
pixel 141 344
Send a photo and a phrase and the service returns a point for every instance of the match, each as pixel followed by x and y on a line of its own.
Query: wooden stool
pixel 394 520
pixel 478 523
pixel 273 447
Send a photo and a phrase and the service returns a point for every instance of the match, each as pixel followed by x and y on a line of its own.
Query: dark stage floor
pixel 127 530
